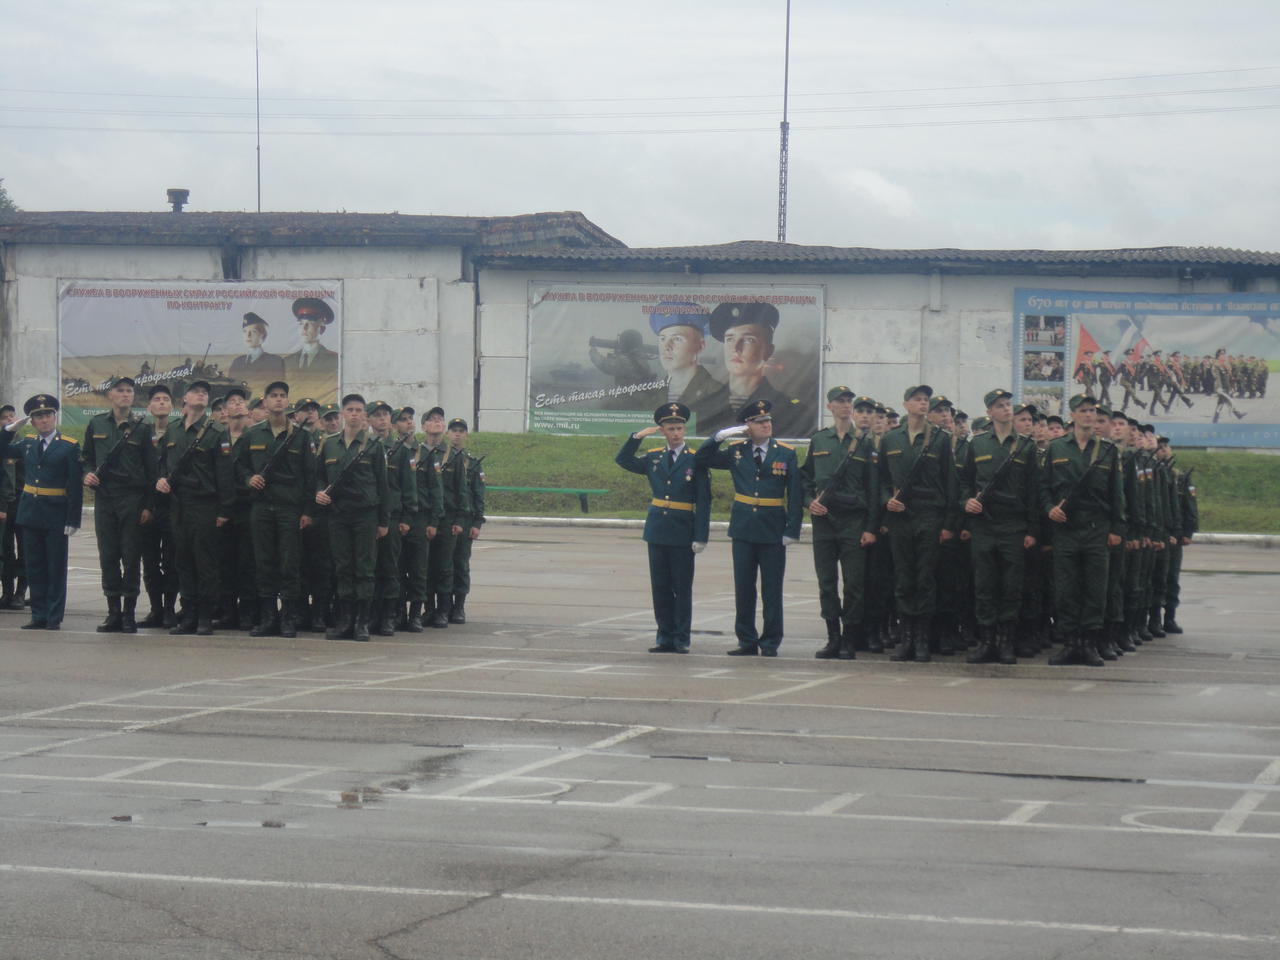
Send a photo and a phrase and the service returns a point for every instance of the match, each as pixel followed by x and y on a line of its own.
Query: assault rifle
pixel 188 453
pixel 1070 499
pixel 902 493
pixel 1003 469
pixel 845 465
pixel 291 430
pixel 114 453
pixel 351 463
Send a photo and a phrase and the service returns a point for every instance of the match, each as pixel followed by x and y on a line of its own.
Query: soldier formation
pixel 928 539
pixel 1171 378
pixel 259 516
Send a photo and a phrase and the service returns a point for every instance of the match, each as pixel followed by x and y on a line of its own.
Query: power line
pixel 734 96
pixel 683 131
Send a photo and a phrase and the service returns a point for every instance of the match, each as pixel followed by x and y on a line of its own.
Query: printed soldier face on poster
pixel 1195 365
pixel 603 356
pixel 230 334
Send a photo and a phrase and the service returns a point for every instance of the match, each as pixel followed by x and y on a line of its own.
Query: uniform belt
pixel 758 501
pixel 673 504
pixel 43 491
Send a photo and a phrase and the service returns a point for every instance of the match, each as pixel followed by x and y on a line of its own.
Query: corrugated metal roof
pixel 764 252
pixel 546 230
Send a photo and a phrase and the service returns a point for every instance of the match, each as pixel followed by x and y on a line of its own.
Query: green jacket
pixel 365 483
pixel 291 481
pixel 934 486
pixel 203 474
pixel 453 480
pixel 429 504
pixel 1099 498
pixel 133 469
pixel 402 488
pixel 1013 502
pixel 475 487
pixel 859 492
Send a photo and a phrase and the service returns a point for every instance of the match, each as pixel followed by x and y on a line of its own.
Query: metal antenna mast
pixel 257 105
pixel 785 130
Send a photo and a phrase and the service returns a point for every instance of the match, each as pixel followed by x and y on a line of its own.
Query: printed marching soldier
pixel 49 506
pixel 677 524
pixel 1080 492
pixel 1000 493
pixel 276 462
pixel 917 468
pixel 841 483
pixel 351 481
pixel 195 479
pixel 764 520
pixel 472 523
pixel 120 468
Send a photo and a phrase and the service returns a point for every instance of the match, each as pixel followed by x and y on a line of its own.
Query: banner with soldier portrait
pixel 1195 365
pixel 603 356
pixel 173 332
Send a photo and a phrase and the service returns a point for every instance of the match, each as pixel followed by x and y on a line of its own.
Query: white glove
pixel 787 541
pixel 698 547
pixel 70 531
pixel 730 432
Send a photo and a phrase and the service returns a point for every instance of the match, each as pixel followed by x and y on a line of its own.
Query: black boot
pixel 128 620
pixel 1089 655
pixel 1070 652
pixel 342 627
pixel 832 649
pixel 227 616
pixel 402 615
pixel 1143 633
pixel 922 627
pixel 458 612
pixel 1004 643
pixel 186 623
pixel 20 594
pixel 875 644
pixel 1120 638
pixel 268 625
pixel 440 614
pixel 170 614
pixel 360 627
pixel 1026 645
pixel 1170 624
pixel 384 624
pixel 1131 626
pixel 849 638
pixel 1153 623
pixel 414 622
pixel 204 619
pixel 112 623
pixel 155 616
pixel 986 652
pixel 1102 645
pixel 6 593
pixel 943 637
pixel 905 648
pixel 288 619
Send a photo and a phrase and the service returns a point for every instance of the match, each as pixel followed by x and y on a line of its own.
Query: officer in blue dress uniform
pixel 678 522
pixel 767 508
pixel 49 508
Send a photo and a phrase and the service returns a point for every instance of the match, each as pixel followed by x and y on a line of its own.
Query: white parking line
pixel 1056 926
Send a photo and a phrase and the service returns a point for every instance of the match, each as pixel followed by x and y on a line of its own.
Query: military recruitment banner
pixel 173 332
pixel 602 357
pixel 1195 365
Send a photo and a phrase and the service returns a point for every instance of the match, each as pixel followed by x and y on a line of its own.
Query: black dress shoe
pixel 34 625
pixel 662 649
pixel 682 649
pixel 743 651
pixel 768 652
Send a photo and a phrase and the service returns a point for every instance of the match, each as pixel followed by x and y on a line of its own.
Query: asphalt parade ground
pixel 535 785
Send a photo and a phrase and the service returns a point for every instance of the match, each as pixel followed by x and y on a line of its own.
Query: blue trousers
pixel 768 561
pixel 46 555
pixel 671 580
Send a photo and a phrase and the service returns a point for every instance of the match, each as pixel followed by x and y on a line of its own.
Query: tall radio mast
pixel 785 129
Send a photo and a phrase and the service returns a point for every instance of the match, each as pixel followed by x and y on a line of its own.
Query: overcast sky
pixel 659 120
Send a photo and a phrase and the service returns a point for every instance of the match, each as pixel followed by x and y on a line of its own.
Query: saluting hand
pixel 647 432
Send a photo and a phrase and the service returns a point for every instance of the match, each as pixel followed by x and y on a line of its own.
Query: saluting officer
pixel 677 524
pixel 351 480
pixel 402 492
pixel 764 521
pixel 121 470
pixel 999 490
pixel 472 523
pixel 276 462
pixel 49 508
pixel 846 518
pixel 1081 494
pixel 194 474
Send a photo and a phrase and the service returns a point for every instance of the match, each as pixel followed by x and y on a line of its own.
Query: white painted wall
pixel 883 332
pixel 408 317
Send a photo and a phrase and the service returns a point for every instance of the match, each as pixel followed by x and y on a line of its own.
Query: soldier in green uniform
pixel 846 518
pixel 456 511
pixel 402 492
pixel 1188 525
pixel 1167 525
pixel 194 477
pixel 1117 621
pixel 954 579
pixel 123 481
pixel 1000 492
pixel 471 524
pixel 1113 609
pixel 1080 493
pixel 916 467
pixel 276 462
pixel 424 522
pixel 316 598
pixel 49 506
pixel 677 524
pixel 239 603
pixel 13 574
pixel 880 620
pixel 764 521
pixel 351 481
pixel 159 564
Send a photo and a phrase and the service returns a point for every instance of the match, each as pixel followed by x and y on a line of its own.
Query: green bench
pixel 581 494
